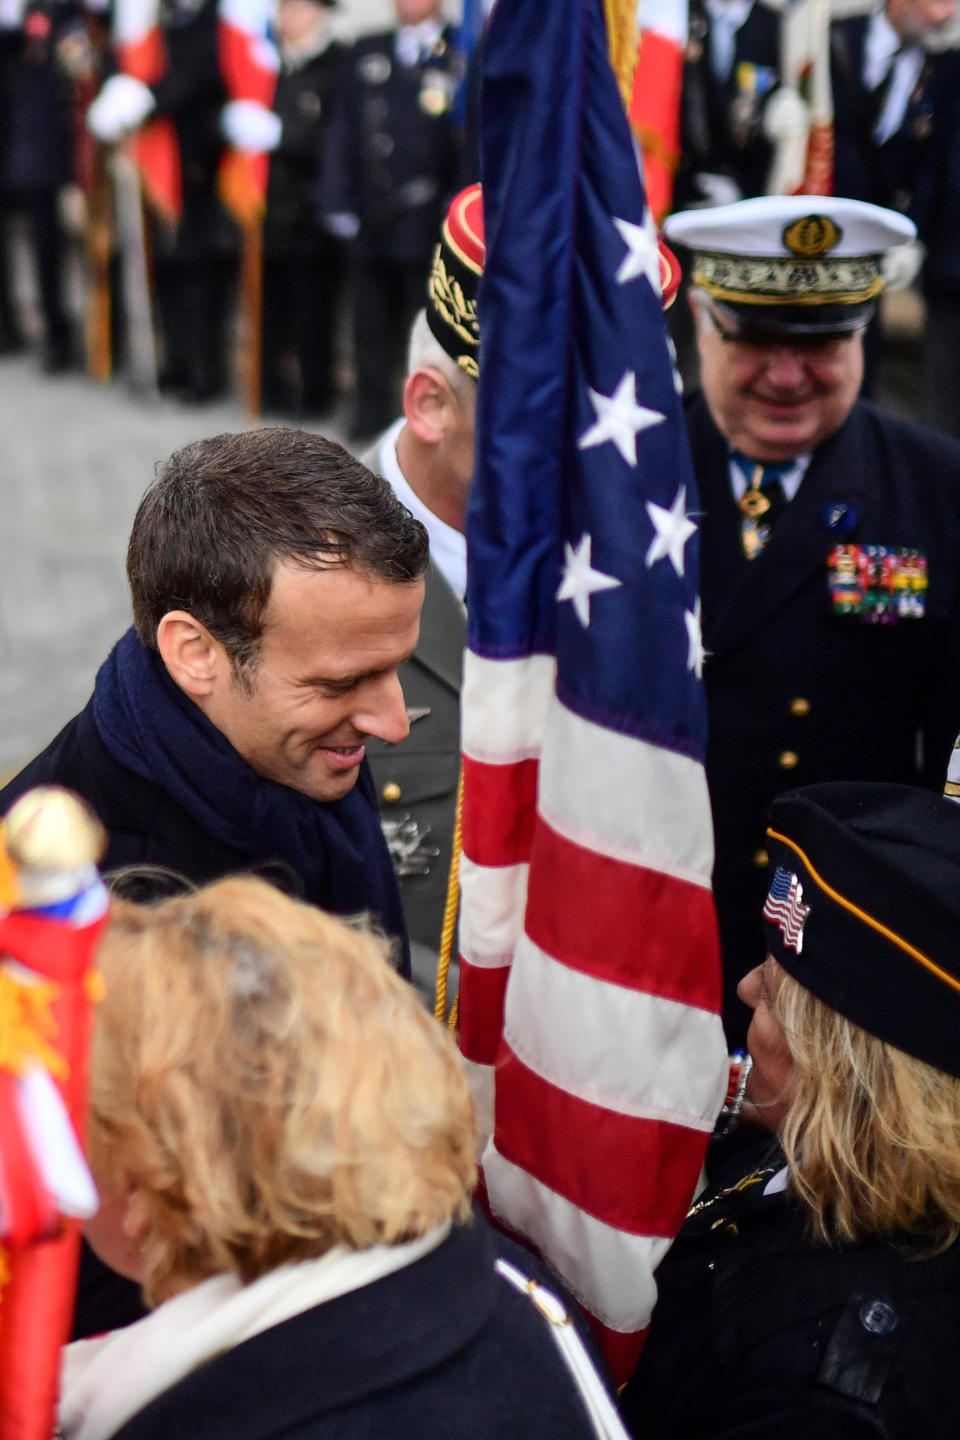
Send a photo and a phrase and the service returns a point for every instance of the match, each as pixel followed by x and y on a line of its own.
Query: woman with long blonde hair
pixel 814 1290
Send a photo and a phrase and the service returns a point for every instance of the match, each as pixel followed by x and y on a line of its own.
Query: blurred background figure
pixel 390 166
pixel 283 1141
pixel 36 162
pixel 303 268
pixel 193 252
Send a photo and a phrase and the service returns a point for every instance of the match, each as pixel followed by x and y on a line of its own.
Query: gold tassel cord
pixel 450 911
pixel 621 18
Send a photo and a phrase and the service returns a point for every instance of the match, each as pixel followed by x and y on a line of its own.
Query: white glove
pixel 716 190
pixel 787 116
pixel 901 265
pixel 248 126
pixel 343 225
pixel 122 105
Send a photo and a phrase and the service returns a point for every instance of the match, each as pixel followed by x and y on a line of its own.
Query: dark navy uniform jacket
pixel 886 174
pixel 798 692
pixel 392 152
pixel 759 1334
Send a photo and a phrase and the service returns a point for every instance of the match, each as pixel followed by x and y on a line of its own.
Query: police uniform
pixel 391 163
pixel 833 652
pixel 760 1329
pixel 416 782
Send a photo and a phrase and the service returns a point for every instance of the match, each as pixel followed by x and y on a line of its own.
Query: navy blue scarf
pixel 150 726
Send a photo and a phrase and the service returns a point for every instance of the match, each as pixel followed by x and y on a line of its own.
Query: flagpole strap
pixel 450 910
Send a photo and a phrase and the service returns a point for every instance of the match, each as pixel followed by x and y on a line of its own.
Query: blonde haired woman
pixel 284 1144
pixel 816 1293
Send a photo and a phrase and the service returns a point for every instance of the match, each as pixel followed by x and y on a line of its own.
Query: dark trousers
pixel 301 296
pixel 47 247
pixel 386 297
pixel 193 299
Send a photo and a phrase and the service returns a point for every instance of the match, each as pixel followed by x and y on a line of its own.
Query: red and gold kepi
pixel 455 278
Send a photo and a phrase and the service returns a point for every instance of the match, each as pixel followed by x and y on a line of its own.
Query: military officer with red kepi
pixel 830 535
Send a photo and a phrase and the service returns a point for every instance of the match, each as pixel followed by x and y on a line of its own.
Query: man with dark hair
pixel 276 587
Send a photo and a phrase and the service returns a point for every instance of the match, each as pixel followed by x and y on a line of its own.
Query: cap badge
pixel 812 235
pixel 785 908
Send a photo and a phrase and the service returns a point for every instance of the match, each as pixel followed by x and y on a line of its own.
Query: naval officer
pixel 830 535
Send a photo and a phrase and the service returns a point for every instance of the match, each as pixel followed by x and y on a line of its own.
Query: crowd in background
pixel 367 141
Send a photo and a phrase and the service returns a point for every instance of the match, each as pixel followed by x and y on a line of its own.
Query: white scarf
pixel 107 1380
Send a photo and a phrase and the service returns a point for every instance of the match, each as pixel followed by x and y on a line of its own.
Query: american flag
pixel 590 980
pixel 785 908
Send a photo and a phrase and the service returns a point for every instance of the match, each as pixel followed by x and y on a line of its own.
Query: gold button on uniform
pixel 761 859
pixel 391 792
pixel 799 707
pixel 789 760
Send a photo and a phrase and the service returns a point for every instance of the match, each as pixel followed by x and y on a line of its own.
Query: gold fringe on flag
pixel 622 39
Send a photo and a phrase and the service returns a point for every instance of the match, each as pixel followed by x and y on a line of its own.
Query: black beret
pixel 864 909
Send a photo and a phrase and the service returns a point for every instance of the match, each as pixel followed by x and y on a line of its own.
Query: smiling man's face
pixel 324 680
pixel 775 398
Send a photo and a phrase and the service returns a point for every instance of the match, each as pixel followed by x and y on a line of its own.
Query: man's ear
pixel 193 658
pixel 427 397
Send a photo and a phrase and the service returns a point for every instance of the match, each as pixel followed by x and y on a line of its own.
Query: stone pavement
pixel 74 460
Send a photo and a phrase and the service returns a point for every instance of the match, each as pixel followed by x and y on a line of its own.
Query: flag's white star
pixel 643 252
pixel 619 418
pixel 696 654
pixel 673 529
pixel 580 580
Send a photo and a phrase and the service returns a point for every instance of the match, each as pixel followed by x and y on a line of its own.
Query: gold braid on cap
pixel 780 280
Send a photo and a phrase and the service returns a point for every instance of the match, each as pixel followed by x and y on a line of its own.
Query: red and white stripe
pixel 589 985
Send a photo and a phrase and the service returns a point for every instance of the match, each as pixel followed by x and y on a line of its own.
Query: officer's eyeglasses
pixel 757 348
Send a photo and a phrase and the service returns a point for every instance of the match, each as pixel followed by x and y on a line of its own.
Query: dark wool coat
pixel 760 1334
pixel 443 1349
pixel 797 693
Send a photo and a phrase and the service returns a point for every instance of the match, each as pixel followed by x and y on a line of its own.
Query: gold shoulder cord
pixel 450 911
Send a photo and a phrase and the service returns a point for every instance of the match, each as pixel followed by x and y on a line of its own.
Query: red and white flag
pixel 248 64
pixel 655 100
pixel 140 51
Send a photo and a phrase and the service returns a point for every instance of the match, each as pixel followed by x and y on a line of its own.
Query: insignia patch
pixel 436 92
pixel 405 840
pixel 879 584
pixel 812 235
pixel 785 908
